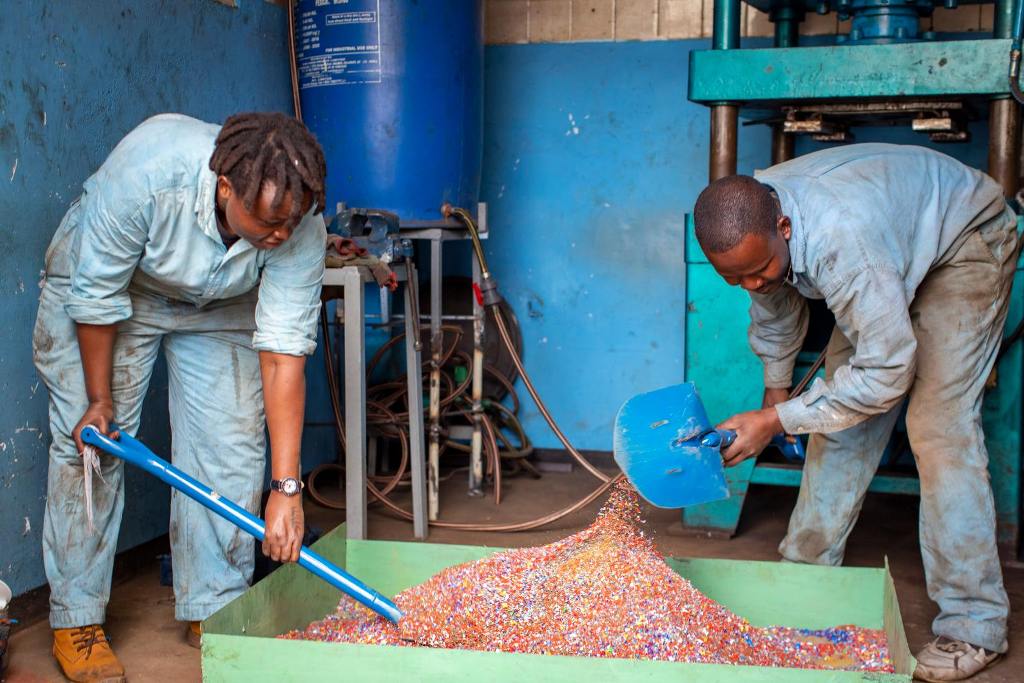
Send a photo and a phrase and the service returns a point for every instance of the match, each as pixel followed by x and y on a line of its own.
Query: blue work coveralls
pixel 914 253
pixel 140 248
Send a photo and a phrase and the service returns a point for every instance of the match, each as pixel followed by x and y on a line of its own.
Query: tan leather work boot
pixel 194 634
pixel 85 656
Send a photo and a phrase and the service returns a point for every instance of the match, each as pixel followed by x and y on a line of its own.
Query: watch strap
pixel 278 485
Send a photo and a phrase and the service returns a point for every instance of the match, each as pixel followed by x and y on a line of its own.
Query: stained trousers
pixel 958 315
pixel 217 424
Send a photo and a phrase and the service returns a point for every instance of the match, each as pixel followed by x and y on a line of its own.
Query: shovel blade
pixel 658 447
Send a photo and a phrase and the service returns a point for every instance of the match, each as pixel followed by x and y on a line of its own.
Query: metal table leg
pixel 415 387
pixel 476 465
pixel 355 403
pixel 435 378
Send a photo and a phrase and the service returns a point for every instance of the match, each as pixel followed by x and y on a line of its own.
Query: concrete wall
pixel 555 21
pixel 75 76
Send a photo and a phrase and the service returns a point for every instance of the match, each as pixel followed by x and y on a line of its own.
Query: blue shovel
pixel 135 452
pixel 667 447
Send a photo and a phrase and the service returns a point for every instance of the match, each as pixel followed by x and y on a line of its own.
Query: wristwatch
pixel 289 486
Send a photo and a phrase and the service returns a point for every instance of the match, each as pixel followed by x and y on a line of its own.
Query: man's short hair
pixel 731 208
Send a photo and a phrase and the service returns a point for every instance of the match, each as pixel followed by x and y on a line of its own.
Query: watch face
pixel 289 487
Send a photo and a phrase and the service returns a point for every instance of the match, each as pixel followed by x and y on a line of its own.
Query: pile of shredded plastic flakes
pixel 603 592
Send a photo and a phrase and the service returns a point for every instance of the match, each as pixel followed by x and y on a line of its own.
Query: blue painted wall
pixel 75 76
pixel 593 156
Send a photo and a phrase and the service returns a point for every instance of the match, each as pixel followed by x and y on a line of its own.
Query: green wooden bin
pixel 239 642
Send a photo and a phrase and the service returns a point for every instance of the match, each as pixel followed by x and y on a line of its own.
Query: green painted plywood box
pixel 239 642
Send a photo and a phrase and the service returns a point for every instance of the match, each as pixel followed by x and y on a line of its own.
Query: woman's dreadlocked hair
pixel 259 147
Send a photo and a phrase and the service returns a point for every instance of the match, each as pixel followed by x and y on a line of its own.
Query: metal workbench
pixel 352 280
pixel 352 314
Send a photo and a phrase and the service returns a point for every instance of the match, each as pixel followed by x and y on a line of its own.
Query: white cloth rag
pixel 90 463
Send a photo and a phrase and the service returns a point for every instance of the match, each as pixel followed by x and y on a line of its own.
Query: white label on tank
pixel 351 18
pixel 339 48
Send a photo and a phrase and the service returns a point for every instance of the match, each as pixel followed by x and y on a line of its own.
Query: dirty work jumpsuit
pixel 141 248
pixel 914 253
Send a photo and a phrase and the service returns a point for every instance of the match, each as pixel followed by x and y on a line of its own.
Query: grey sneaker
pixel 945 659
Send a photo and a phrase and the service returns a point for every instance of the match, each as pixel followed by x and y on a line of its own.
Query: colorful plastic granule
pixel 603 592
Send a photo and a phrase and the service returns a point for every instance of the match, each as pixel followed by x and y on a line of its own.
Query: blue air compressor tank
pixel 393 89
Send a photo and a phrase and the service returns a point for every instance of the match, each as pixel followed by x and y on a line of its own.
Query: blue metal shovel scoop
pixel 667 447
pixel 135 452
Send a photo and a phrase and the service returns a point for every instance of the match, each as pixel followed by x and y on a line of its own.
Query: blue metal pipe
pixel 725 29
pixel 134 451
pixel 1002 18
pixel 1017 28
pixel 787 25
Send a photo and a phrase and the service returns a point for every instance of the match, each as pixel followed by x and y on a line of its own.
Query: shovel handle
pixel 718 438
pixel 134 451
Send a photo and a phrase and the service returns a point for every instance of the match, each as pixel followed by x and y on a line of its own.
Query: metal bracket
pixel 942 120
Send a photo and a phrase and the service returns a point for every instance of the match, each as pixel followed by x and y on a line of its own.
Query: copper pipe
pixel 1004 143
pixel 492 447
pixel 390 482
pixel 379 355
pixel 782 145
pixel 724 119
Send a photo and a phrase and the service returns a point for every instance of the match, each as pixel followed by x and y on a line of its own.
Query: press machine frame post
pixel 724 115
pixel 1004 119
pixel 787 34
pixel 903 72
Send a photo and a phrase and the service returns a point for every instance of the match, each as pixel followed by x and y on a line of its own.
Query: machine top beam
pixel 833 5
pixel 845 72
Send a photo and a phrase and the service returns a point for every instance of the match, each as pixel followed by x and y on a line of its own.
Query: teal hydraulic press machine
pixel 884 71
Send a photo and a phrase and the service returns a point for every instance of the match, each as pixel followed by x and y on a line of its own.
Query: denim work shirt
pixel 146 220
pixel 869 222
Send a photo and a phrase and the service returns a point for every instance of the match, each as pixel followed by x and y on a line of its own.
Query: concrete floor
pixel 151 644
